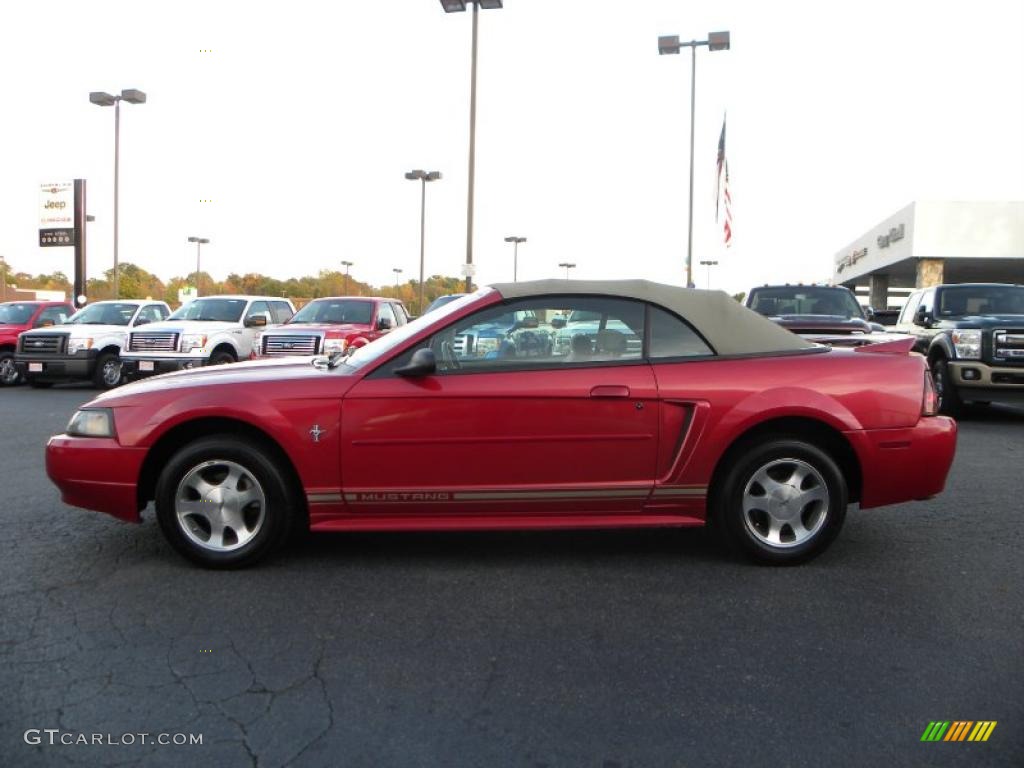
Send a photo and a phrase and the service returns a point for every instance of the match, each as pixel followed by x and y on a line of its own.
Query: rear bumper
pixel 899 465
pixel 96 473
pixel 57 367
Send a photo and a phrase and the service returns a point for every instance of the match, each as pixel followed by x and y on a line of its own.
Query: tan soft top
pixel 731 328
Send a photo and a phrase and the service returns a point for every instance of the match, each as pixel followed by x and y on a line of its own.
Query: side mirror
pixel 384 324
pixel 256 321
pixel 44 323
pixel 423 363
pixel 142 321
pixel 869 313
pixel 922 317
pixel 558 322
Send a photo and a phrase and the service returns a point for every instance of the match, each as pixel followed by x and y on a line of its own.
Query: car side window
pixel 386 313
pixel 907 315
pixel 52 315
pixel 927 301
pixel 259 308
pixel 400 313
pixel 151 313
pixel 281 311
pixel 547 332
pixel 671 337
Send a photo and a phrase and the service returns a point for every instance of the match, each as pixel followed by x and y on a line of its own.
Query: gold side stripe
pixel 421 496
pixel 323 498
pixel 699 490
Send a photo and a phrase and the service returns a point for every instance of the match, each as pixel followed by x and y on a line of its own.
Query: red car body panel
pixel 9 332
pixel 618 445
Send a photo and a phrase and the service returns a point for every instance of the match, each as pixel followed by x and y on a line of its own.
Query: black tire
pixel 222 357
pixel 814 523
pixel 37 384
pixel 215 453
pixel 9 375
pixel 102 377
pixel 950 403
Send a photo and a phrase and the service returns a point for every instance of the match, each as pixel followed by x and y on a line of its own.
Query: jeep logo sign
pixel 57 213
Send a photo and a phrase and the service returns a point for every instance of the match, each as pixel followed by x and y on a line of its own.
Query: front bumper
pixel 140 368
pixel 80 365
pixel 899 465
pixel 977 380
pixel 96 473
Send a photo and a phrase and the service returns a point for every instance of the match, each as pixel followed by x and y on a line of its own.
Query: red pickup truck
pixel 333 324
pixel 18 316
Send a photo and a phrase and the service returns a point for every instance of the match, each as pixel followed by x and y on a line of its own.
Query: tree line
pixel 137 283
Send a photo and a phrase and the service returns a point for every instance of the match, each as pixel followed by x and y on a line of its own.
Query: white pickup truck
pixel 211 330
pixel 87 345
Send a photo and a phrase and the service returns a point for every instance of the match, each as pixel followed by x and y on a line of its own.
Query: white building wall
pixel 962 230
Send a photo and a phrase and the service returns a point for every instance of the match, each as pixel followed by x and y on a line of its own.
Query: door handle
pixel 609 390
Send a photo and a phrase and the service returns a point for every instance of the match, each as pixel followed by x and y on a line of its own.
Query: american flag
pixel 723 200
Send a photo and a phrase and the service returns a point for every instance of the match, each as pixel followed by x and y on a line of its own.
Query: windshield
pixel 104 313
pixel 220 310
pixel 15 314
pixel 335 311
pixel 584 316
pixel 805 300
pixel 981 300
pixel 375 350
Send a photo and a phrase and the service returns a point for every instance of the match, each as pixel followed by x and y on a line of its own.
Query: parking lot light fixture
pixel 397 272
pixel 347 265
pixel 669 44
pixel 568 265
pixel 515 255
pixel 104 99
pixel 200 242
pixel 423 177
pixel 456 6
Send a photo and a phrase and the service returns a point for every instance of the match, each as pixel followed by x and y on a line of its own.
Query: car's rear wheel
pixel 949 401
pixel 108 371
pixel 9 375
pixel 781 501
pixel 224 502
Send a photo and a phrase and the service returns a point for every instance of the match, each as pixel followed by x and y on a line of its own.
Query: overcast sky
pixel 301 121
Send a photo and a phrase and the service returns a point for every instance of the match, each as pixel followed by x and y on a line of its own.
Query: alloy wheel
pixel 785 503
pixel 220 505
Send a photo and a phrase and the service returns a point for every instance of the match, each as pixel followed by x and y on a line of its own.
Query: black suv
pixel 973 337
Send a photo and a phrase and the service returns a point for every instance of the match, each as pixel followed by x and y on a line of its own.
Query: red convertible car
pixel 672 407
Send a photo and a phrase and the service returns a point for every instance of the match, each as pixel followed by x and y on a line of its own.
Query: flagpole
pixel 693 109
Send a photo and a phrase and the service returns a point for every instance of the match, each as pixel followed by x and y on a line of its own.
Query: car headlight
pixel 967 344
pixel 78 345
pixel 190 341
pixel 334 345
pixel 92 422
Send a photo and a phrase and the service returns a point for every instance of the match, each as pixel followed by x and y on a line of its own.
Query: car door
pixel 516 429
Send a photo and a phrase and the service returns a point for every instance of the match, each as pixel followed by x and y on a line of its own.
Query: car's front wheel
pixel 224 502
pixel 781 501
pixel 9 375
pixel 949 403
pixel 108 371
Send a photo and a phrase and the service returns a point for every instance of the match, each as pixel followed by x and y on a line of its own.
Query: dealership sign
pixel 57 214
pixel 851 258
pixel 894 234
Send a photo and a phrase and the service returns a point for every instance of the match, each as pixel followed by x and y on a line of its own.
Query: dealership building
pixel 928 243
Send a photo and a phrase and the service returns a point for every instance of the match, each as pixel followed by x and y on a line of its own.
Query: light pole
pixel 709 265
pixel 104 99
pixel 717 41
pixel 515 255
pixel 423 177
pixel 397 272
pixel 456 6
pixel 346 265
pixel 568 265
pixel 3 279
pixel 199 241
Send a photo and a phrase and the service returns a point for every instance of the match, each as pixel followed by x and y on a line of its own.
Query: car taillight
pixel 930 400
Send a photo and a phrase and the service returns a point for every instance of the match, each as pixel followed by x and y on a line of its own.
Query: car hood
pixel 306 328
pixel 825 323
pixel 79 330
pixel 277 370
pixel 188 326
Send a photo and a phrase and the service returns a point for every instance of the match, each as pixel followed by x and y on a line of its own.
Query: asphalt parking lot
pixel 607 649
